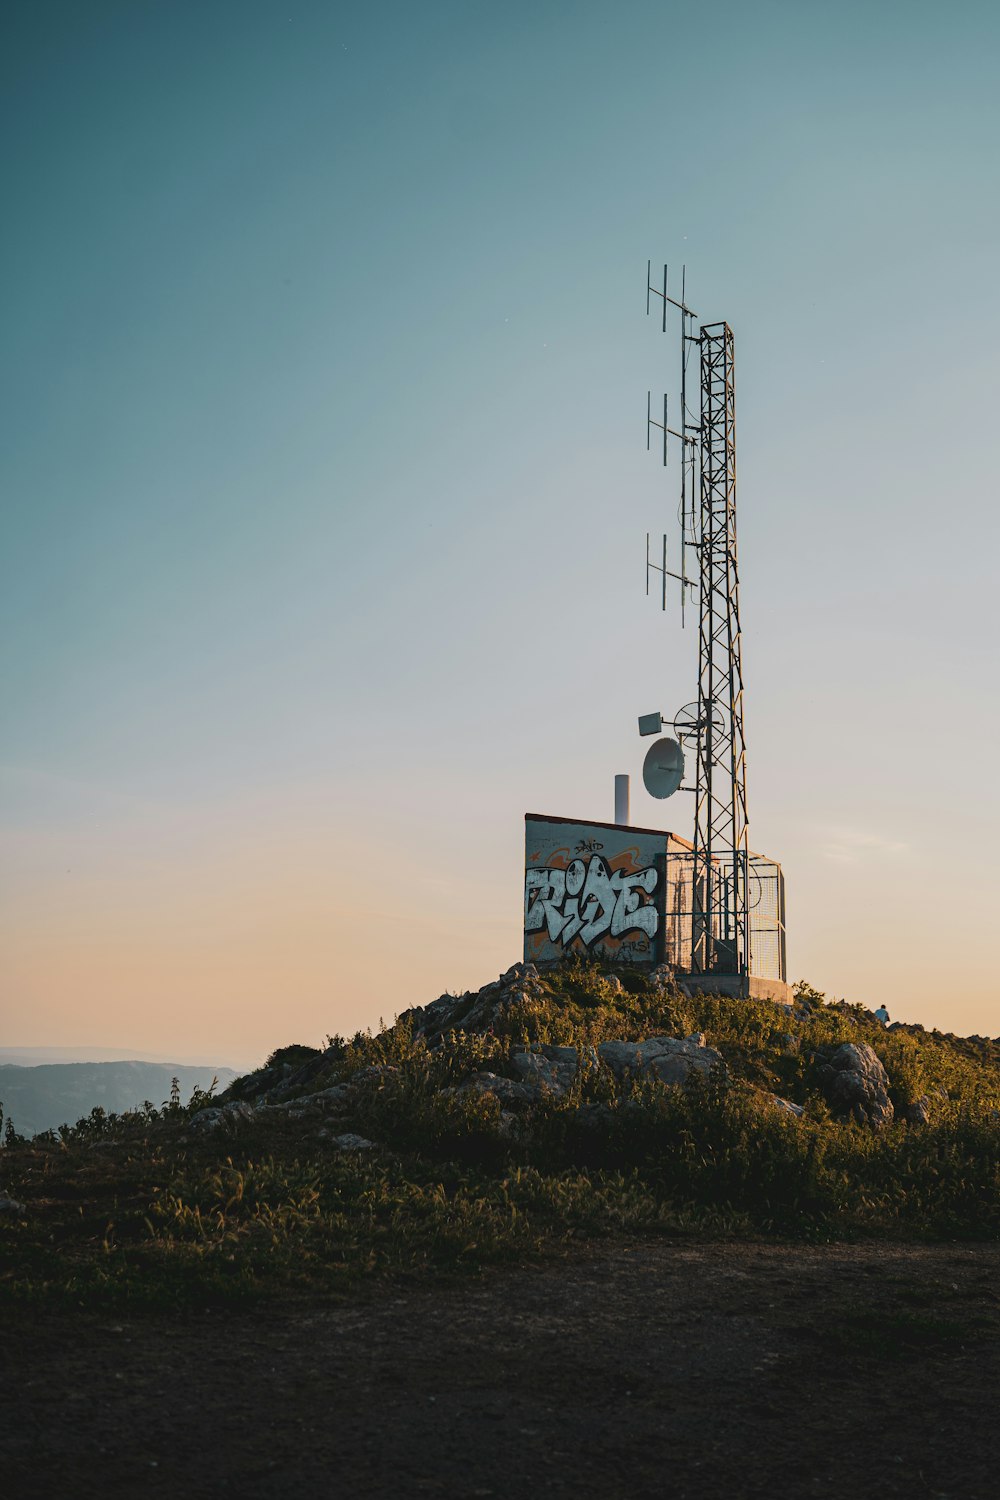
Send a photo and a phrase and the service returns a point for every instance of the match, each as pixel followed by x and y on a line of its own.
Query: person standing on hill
pixel 882 1015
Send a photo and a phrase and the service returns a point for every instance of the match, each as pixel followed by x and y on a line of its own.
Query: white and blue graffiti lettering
pixel 588 901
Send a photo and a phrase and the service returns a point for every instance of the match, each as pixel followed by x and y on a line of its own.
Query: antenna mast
pixel 720 916
pixel 720 937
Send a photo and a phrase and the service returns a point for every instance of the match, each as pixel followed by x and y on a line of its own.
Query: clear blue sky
pixel 325 488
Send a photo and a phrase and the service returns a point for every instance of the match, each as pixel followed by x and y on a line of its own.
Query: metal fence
pixel 765 903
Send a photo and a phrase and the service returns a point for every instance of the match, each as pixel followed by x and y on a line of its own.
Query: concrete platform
pixel 741 987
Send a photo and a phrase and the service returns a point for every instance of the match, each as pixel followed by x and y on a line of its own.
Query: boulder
pixel 919 1112
pixel 787 1107
pixel 551 1070
pixel 661 978
pixel 10 1208
pixel 350 1142
pixel 667 1058
pixel 337 1094
pixel 207 1119
pixel 225 1118
pixel 855 1083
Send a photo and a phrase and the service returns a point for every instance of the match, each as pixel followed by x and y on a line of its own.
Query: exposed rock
pixel 787 1107
pixel 305 1103
pixel 259 1085
pixel 276 1082
pixel 10 1208
pixel 224 1118
pixel 476 1010
pixel 507 1090
pixel 551 1069
pixel 349 1142
pixel 338 1093
pixel 661 978
pixel 855 1083
pixel 919 1112
pixel 667 1058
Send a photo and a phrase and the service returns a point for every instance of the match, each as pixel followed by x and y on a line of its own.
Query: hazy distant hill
pixel 32 1057
pixel 40 1098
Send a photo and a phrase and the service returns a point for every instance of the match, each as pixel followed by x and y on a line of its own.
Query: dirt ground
pixel 647 1369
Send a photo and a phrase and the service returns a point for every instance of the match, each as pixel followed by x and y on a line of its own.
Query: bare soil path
pixel 646 1369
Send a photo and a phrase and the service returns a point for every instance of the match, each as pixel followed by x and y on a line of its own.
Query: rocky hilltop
pixel 589 1038
pixel 506 1122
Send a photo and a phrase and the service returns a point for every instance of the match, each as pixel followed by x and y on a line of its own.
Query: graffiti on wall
pixel 588 900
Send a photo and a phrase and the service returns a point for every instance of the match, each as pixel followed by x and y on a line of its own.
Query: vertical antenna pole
pixel 720 937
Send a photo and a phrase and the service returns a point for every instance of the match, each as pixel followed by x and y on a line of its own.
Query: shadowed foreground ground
pixel 647 1369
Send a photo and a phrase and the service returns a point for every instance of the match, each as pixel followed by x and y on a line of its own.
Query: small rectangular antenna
pixel 652 422
pixel 661 568
pixel 656 292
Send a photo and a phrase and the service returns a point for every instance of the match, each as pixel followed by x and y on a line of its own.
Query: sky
pixel 324 488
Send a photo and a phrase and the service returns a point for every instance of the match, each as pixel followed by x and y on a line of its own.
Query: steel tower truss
pixel 720 909
pixel 720 937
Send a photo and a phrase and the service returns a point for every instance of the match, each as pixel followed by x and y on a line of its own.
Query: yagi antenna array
pixel 687 435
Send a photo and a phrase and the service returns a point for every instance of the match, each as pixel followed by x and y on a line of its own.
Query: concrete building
pixel 623 895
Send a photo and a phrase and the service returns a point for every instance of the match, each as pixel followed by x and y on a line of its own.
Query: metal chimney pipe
pixel 621 799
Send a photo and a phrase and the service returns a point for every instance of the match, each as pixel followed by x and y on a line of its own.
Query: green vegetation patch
pixel 148 1209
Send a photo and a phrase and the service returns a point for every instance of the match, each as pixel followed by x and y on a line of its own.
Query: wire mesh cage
pixel 736 882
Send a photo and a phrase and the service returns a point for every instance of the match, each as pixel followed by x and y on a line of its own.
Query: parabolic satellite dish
pixel 663 768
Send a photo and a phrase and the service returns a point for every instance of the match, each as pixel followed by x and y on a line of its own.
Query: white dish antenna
pixel 663 768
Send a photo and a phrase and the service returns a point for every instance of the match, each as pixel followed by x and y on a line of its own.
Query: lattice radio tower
pixel 720 918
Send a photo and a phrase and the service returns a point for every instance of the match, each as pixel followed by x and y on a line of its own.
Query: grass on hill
pixel 140 1209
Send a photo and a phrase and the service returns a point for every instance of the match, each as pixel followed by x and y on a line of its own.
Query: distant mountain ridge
pixel 52 1094
pixel 31 1057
